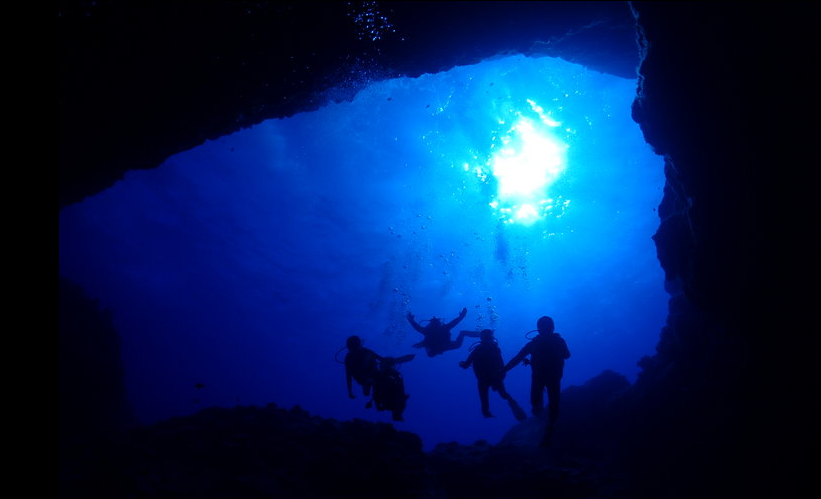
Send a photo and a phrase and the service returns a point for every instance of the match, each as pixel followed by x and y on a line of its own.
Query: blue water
pixel 245 263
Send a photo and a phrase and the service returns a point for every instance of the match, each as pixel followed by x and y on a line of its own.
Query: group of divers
pixel 547 351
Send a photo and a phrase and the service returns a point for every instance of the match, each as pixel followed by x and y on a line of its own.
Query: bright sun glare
pixel 530 158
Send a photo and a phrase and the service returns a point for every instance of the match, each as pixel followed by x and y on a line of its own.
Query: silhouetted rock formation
pixel 142 81
pixel 92 393
pixel 250 452
pixel 584 421
pixel 268 451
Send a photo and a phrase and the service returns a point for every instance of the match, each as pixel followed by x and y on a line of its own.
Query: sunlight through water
pixel 514 188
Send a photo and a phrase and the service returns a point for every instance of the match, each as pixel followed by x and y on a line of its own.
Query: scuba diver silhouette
pixel 547 351
pixel 437 334
pixel 389 389
pixel 378 374
pixel 489 368
pixel 361 364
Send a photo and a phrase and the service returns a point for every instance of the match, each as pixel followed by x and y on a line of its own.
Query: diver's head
pixel 486 335
pixel 435 321
pixel 354 342
pixel 545 325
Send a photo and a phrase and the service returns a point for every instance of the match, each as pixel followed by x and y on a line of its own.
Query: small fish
pixel 199 386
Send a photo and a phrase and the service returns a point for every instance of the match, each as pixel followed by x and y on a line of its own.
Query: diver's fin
pixel 404 358
pixel 518 412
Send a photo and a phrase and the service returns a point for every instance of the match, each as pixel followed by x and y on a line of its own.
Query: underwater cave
pixel 516 187
pixel 276 178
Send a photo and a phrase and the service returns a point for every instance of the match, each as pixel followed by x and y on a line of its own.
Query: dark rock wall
pixel 140 81
pixel 720 85
pixel 92 397
pixel 250 452
pixel 256 452
pixel 700 92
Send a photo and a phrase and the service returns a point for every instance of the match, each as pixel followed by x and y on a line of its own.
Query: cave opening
pixel 517 187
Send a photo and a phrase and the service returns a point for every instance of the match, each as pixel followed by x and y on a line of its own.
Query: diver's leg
pixel 366 390
pixel 536 396
pixel 483 398
pixel 401 396
pixel 518 412
pixel 398 399
pixel 500 389
pixel 547 436
pixel 554 393
pixel 398 407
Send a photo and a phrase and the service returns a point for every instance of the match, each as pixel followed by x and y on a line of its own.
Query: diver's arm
pixel 457 320
pixel 414 324
pixel 467 362
pixel 518 358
